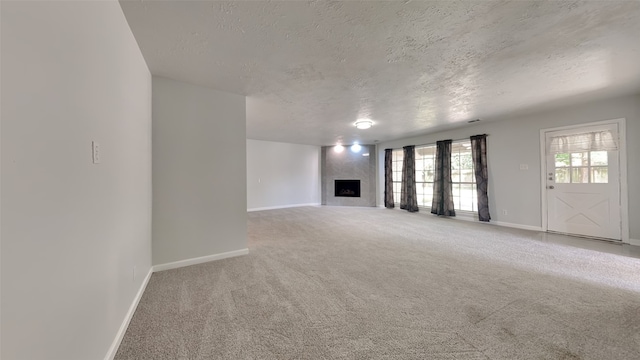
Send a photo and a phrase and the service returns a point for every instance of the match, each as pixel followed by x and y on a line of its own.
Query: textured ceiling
pixel 311 69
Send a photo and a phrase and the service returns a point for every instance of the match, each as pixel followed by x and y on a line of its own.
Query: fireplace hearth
pixel 347 188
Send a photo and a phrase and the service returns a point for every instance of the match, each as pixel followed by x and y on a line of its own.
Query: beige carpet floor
pixel 370 283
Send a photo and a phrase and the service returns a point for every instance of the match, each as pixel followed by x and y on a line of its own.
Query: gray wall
pixel 348 165
pixel 516 141
pixel 199 171
pixel 72 231
pixel 282 174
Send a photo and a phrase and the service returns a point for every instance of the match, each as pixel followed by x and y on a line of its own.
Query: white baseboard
pixel 127 319
pixel 517 226
pixel 635 242
pixel 281 207
pixel 468 216
pixel 199 260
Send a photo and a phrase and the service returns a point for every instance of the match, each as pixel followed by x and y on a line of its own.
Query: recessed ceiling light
pixel 356 147
pixel 338 148
pixel 363 123
pixel 365 154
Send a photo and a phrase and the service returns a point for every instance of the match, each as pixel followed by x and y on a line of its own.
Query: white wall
pixel 516 141
pixel 282 174
pixel 199 171
pixel 72 231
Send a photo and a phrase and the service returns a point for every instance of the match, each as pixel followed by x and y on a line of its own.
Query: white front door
pixel 583 185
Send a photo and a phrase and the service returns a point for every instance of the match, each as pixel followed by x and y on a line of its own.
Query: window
pixel 425 172
pixel 582 167
pixel 462 176
pixel 397 157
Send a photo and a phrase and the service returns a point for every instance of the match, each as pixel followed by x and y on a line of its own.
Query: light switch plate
pixel 96 152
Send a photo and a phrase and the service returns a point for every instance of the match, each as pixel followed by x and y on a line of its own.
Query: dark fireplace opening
pixel 347 188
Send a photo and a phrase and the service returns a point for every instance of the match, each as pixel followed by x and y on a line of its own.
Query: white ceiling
pixel 311 69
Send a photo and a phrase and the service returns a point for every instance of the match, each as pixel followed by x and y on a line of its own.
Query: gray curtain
pixel 479 154
pixel 408 197
pixel 442 195
pixel 388 179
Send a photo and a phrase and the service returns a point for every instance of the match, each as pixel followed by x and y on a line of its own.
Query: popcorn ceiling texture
pixel 310 69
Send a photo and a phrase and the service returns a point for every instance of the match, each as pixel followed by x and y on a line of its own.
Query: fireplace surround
pixel 347 188
pixel 347 165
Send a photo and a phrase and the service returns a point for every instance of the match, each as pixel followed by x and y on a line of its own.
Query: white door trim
pixel 624 198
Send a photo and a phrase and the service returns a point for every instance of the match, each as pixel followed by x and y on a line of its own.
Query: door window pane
pixel 562 160
pixel 562 176
pixel 578 166
pixel 599 158
pixel 582 167
pixel 580 159
pixel 580 175
pixel 600 175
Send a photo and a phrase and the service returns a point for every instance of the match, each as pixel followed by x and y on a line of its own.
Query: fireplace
pixel 347 188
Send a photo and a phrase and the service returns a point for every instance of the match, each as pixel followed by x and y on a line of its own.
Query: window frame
pixel 423 183
pixel 397 158
pixel 588 168
pixel 459 145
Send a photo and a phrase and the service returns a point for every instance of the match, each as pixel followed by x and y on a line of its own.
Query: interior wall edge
pixel 111 353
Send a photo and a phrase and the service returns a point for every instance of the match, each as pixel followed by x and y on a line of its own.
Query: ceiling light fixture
pixel 356 147
pixel 363 123
pixel 338 148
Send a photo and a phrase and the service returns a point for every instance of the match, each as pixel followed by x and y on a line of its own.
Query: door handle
pixel 551 187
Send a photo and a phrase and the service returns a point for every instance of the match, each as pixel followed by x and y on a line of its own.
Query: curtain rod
pixel 469 138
